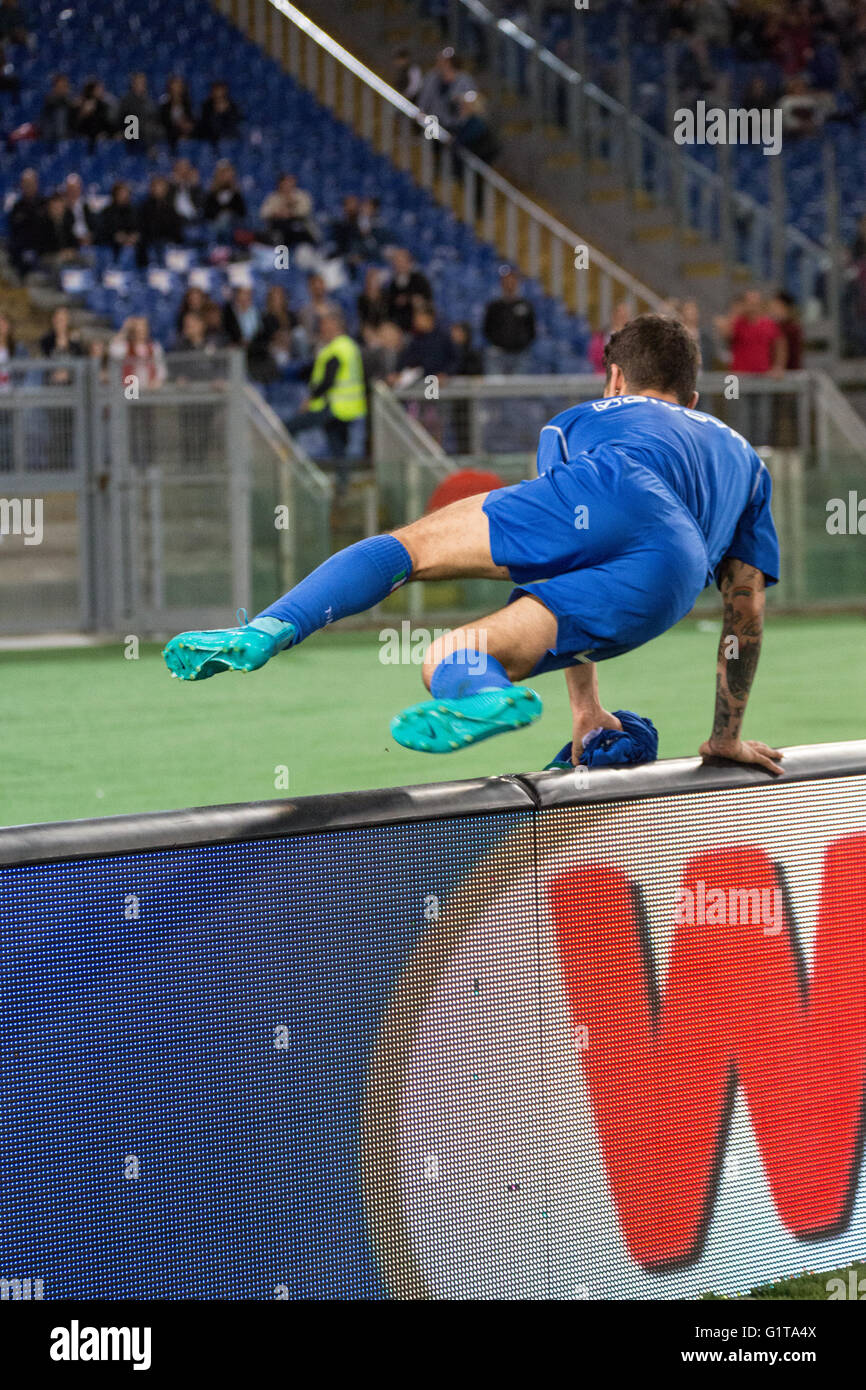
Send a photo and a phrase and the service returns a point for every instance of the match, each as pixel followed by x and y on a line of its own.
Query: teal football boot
pixel 195 656
pixel 443 726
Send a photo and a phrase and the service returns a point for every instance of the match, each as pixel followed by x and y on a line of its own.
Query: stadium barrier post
pixel 238 445
pixel 834 279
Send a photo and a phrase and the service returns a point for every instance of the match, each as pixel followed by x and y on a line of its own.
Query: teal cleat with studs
pixel 444 726
pixel 195 656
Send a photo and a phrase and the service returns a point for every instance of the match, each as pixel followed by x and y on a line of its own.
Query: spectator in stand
pixel 783 310
pixel 278 316
pixel 467 362
pixel 26 224
pixel 175 111
pixel 346 237
pixel 374 235
pixel 318 304
pixel 14 27
pixel 287 214
pixel 622 312
pixel 406 75
pixel 471 130
pixel 94 116
pixel 429 351
pixel 138 354
pixel 59 246
pixel 467 359
pixel 690 316
pixel 139 114
pixel 383 343
pixel 193 335
pixel 443 88
pixel 220 117
pixel 407 284
pixel 372 302
pixel 187 192
pixel 58 119
pixel 118 225
pixel 753 337
pixel 213 322
pixel 60 341
pixel 98 353
pixel 274 346
pixel 757 347
pixel 158 221
pixel 194 301
pixel 242 321
pixel 509 327
pixel 224 205
pixel 81 219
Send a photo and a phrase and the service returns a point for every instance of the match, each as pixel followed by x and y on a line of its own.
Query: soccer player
pixel 641 501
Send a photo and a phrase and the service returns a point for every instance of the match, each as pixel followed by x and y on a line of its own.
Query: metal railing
pixel 523 232
pixel 293 497
pixel 803 410
pixel 159 509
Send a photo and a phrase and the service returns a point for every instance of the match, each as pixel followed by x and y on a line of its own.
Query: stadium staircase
pixel 670 221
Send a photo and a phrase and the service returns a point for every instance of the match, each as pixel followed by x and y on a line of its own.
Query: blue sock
pixel 467 672
pixel 351 581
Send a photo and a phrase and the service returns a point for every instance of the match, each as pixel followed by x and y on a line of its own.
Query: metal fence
pixel 124 508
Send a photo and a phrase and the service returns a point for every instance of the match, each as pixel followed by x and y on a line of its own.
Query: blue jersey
pixel 713 471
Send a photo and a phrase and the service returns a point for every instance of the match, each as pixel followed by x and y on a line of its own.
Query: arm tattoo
pixel 742 589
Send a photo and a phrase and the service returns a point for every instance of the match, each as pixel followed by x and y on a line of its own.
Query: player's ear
pixel 615 384
pixel 695 398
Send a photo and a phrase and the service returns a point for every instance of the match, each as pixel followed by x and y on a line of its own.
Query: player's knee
pixel 412 540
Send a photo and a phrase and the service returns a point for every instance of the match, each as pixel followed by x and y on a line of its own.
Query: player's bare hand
pixel 745 751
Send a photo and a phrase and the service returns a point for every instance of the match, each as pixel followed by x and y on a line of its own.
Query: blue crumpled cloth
pixel 636 742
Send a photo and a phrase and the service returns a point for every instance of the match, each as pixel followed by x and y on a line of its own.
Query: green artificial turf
pixel 87 732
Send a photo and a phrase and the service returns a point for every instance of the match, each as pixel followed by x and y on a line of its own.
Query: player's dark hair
pixel 655 353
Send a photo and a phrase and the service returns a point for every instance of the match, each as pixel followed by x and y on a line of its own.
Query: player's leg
pixel 475 676
pixel 451 543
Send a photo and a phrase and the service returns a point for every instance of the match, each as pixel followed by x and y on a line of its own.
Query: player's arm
pixel 743 593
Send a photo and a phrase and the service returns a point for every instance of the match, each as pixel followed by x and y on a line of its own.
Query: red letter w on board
pixel 737 1007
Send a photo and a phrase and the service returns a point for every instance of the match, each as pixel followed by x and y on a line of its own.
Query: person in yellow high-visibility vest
pixel 337 402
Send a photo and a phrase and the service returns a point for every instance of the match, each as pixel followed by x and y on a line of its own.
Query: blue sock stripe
pixel 467 672
pixel 349 582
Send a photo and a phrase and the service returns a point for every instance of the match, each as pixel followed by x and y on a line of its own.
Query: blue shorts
pixel 606 546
